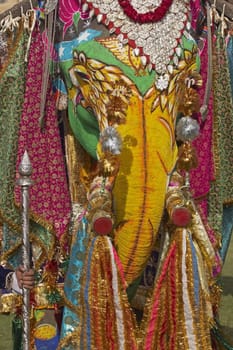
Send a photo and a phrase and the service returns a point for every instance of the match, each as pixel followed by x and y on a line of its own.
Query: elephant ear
pixel 104 88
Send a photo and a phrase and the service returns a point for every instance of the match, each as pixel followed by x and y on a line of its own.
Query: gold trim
pixel 10 302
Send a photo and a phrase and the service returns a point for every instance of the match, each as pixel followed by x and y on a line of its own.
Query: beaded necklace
pixel 156 42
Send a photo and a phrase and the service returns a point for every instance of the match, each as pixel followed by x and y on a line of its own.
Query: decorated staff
pixel 25 171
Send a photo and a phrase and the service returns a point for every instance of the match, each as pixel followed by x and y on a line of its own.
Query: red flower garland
pixel 151 16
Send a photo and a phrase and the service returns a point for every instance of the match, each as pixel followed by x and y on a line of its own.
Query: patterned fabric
pixel 49 195
pixel 201 176
pixel 221 188
pixel 12 86
pixel 195 10
pixel 228 209
pixel 230 59
pixel 8 241
pixel 227 230
pixel 73 283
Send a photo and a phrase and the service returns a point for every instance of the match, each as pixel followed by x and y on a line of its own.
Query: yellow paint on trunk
pixel 147 158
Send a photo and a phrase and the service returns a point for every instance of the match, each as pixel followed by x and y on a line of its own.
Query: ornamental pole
pixel 24 181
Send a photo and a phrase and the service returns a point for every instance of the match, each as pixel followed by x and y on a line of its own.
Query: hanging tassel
pixel 177 311
pixel 106 321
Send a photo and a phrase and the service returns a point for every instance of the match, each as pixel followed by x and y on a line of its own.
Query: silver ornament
pixel 187 129
pixel 111 141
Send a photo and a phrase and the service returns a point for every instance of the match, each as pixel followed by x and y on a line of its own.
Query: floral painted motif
pixel 67 10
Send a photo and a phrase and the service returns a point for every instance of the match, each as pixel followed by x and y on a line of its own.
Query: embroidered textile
pixel 49 196
pixel 221 187
pixel 12 85
pixel 201 177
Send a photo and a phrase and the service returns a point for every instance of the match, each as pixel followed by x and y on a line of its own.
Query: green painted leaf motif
pixel 76 17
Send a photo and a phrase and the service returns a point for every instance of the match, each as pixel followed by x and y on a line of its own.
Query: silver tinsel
pixel 111 141
pixel 187 129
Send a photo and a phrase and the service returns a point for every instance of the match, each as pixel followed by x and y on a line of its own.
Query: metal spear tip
pixel 25 167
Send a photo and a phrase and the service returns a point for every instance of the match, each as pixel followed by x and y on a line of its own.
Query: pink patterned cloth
pixel 50 203
pixel 202 176
pixel 66 11
pixel 195 9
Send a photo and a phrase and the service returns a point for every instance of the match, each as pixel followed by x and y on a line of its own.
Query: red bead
pixel 102 226
pixel 181 217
